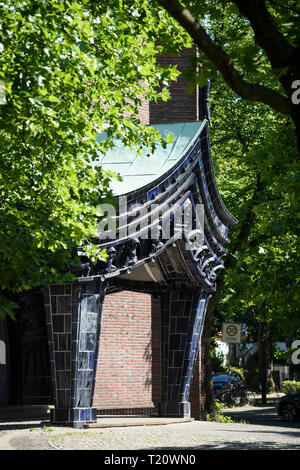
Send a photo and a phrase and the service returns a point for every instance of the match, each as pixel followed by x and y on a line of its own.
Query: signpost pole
pixel 229 363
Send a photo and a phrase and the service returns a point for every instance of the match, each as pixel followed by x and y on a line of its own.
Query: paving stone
pixel 196 435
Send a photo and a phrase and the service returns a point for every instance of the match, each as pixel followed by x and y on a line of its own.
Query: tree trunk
pixel 264 358
pixel 206 386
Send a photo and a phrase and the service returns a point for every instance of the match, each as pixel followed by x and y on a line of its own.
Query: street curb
pixel 158 422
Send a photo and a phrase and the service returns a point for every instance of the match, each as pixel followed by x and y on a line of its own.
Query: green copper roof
pixel 138 171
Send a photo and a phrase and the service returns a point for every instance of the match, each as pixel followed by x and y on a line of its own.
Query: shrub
pixel 219 417
pixel 289 386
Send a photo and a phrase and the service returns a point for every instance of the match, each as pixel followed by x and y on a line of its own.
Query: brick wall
pixel 124 373
pixel 156 353
pixel 129 366
pixel 183 105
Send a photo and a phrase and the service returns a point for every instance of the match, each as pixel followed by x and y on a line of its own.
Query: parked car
pixel 233 393
pixel 288 407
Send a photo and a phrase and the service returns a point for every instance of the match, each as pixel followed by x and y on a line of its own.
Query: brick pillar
pixel 73 316
pixel 183 314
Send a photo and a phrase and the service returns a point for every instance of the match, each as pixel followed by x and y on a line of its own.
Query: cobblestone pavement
pixel 196 435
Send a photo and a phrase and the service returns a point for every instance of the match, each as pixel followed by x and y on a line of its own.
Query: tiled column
pixel 73 314
pixel 183 314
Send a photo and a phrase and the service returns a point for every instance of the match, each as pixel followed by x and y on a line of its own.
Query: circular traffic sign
pixel 231 330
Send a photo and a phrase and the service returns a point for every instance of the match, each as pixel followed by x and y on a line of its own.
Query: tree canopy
pixel 249 142
pixel 254 149
pixel 69 71
pixel 272 33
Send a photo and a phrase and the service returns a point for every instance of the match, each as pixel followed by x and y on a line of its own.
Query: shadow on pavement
pixel 266 416
pixel 233 445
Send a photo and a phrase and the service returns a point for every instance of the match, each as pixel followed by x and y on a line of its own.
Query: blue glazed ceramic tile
pixel 94 414
pixel 64 304
pixel 83 360
pixel 88 322
pixel 60 361
pixel 68 288
pixel 75 347
pixel 57 289
pixel 68 319
pixel 91 361
pixel 75 414
pixel 53 304
pixel 89 303
pixel 87 341
pixel 85 414
pixel 58 324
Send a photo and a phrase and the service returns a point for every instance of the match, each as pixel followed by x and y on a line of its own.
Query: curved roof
pixel 172 214
pixel 138 171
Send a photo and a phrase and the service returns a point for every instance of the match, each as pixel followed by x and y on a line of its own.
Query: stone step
pixel 24 411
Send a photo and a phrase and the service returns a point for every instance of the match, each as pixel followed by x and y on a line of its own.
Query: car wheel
pixel 244 399
pixel 289 412
pixel 227 399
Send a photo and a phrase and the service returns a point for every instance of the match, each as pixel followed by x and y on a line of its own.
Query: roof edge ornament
pixel 204 112
pixel 178 219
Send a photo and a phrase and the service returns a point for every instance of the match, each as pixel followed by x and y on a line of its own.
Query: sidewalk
pixel 130 433
pixel 272 398
pixel 37 435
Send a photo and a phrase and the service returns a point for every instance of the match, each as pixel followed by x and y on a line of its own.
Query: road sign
pixel 231 332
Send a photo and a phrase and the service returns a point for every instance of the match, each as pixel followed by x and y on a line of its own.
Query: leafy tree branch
pixel 224 63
